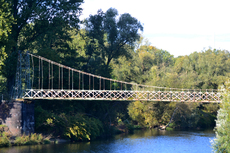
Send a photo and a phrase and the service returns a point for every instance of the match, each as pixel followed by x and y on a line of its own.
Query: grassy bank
pixel 33 139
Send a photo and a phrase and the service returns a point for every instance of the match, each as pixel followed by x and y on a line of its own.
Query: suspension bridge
pixel 40 78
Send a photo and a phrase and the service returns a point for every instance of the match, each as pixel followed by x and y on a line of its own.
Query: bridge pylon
pixel 22 79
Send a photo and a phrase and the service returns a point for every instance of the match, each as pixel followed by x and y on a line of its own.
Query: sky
pixel 177 26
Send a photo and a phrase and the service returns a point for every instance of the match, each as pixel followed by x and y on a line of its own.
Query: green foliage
pixel 135 110
pixel 6 19
pixel 211 108
pixel 79 120
pixel 152 66
pixel 222 141
pixel 109 45
pixel 4 140
pixel 21 140
pixel 201 73
pixel 40 27
pixel 190 116
pixel 179 115
pixel 149 114
pixel 67 124
pixel 30 140
pixel 145 66
pixel 4 136
pixel 3 90
pixel 110 36
pixel 84 128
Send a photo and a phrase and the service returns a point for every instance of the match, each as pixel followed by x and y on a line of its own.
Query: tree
pixel 150 114
pixel 42 15
pixel 6 19
pixel 146 65
pixel 207 69
pixel 222 141
pixel 111 36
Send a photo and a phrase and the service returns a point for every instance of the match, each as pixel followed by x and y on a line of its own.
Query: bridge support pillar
pixel 18 116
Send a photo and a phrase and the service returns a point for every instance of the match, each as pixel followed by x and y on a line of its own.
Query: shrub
pixel 21 140
pixel 4 140
pixel 83 128
pixel 30 140
pixel 222 141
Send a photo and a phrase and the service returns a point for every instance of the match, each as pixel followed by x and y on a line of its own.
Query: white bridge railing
pixel 126 95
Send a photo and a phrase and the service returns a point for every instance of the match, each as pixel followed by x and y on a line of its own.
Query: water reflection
pixel 146 141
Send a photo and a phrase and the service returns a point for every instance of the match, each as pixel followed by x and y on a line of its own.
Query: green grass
pixel 169 129
pixel 4 140
pixel 32 139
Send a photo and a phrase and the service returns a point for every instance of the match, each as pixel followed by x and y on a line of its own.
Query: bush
pixel 30 140
pixel 4 140
pixel 222 141
pixel 83 128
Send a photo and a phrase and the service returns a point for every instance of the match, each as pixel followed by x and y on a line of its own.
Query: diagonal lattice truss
pixel 51 80
pixel 130 95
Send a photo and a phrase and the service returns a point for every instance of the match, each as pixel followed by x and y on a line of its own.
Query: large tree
pixel 6 19
pixel 111 34
pixel 41 15
pixel 147 66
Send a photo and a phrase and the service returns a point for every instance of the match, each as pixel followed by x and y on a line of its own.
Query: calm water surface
pixel 142 141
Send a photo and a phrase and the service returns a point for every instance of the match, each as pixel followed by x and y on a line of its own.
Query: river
pixel 142 141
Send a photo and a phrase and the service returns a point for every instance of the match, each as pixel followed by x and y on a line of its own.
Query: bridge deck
pixel 124 95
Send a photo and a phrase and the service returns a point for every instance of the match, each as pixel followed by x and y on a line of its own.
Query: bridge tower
pixel 18 114
pixel 22 79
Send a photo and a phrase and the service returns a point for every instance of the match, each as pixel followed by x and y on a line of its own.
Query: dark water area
pixel 142 141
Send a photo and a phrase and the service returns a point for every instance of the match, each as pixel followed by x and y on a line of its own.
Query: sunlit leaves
pixel 222 141
pixel 148 114
pixel 6 19
pixel 76 127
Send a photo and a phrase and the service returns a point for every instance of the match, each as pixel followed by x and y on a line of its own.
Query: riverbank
pixel 144 141
pixel 7 140
pixel 38 139
pixel 84 121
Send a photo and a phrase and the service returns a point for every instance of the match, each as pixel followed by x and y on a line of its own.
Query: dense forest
pixel 110 45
